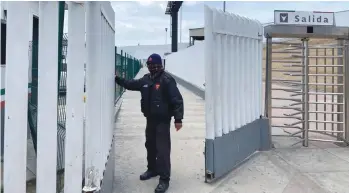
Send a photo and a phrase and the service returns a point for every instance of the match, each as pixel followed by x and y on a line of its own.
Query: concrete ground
pixel 320 168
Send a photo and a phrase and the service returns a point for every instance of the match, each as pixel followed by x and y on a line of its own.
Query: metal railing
pixel 126 66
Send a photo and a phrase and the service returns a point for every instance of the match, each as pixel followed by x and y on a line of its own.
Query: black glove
pixel 178 121
pixel 117 79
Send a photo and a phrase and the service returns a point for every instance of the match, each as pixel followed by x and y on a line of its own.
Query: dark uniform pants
pixel 158 144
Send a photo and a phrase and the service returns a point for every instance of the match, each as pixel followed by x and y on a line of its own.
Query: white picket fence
pixel 233 71
pixel 90 144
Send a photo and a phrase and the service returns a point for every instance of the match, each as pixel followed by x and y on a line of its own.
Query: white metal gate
pixel 233 91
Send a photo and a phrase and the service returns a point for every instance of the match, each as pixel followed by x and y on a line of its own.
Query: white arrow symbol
pixel 283 18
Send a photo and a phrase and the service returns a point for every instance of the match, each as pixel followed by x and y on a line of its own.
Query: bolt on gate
pixel 306 83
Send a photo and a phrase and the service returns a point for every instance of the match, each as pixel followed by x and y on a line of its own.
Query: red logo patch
pixel 157 86
pixel 150 59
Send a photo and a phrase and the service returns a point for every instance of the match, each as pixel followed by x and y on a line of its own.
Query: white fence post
pixel 15 152
pixel 259 81
pixel 233 81
pixel 103 65
pixel 209 85
pixel 75 103
pixel 107 19
pixel 47 97
pixel 92 127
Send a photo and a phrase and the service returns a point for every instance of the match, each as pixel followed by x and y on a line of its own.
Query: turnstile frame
pixel 296 31
pixel 306 32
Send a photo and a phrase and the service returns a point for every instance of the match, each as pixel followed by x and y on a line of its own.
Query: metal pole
pixel 306 93
pixel 268 79
pixel 180 26
pixel 224 6
pixel 174 18
pixel 165 35
pixel 268 84
pixel 340 71
pixel 346 85
pixel 303 90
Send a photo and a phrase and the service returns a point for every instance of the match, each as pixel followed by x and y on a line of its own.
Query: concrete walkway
pixel 320 168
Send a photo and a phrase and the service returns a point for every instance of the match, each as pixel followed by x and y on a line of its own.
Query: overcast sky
pixel 144 22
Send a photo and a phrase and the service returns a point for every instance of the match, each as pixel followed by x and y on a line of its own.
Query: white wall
pixel 188 64
pixel 144 51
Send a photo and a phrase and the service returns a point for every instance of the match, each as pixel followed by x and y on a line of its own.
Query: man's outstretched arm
pixel 133 84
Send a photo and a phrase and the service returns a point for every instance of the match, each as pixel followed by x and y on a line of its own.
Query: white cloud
pixel 142 23
pixel 163 5
pixel 145 2
pixel 190 3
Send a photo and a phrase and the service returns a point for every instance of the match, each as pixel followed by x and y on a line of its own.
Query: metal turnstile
pixel 306 85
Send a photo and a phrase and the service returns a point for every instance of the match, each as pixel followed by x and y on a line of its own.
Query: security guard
pixel 160 101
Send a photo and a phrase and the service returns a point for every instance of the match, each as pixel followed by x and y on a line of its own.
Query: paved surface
pixel 320 168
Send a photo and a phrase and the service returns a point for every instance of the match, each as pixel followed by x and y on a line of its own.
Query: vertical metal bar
pixel 47 98
pixel 74 105
pixel 180 24
pixel 115 71
pixel 16 84
pixel 209 80
pixel 303 87
pixel 268 75
pixel 316 89
pixel 174 30
pixel 325 89
pixel 92 97
pixel 268 84
pixel 340 90
pixel 333 91
pixel 209 88
pixel 344 117
pixel 306 93
pixel 346 85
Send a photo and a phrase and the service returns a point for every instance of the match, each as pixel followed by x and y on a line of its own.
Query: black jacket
pixel 161 98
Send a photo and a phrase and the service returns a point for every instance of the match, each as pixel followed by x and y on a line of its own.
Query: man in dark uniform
pixel 160 101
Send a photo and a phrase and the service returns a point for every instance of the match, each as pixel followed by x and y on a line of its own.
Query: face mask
pixel 154 68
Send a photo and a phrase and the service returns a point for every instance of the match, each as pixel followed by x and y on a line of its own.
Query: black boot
pixel 147 175
pixel 162 186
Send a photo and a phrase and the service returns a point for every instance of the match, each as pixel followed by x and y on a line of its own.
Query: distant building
pixel 196 34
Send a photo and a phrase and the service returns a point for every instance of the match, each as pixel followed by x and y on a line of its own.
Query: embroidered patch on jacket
pixel 157 86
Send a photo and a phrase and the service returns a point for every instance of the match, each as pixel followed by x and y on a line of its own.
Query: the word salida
pixel 311 19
